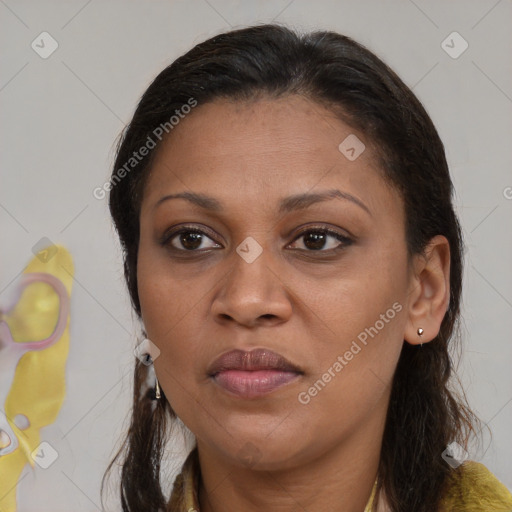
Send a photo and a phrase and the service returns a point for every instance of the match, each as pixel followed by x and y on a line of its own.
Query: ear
pixel 429 292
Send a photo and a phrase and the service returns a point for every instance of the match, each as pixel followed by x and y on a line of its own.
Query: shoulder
pixel 473 488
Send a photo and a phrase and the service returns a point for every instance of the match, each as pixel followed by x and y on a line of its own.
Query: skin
pixel 292 299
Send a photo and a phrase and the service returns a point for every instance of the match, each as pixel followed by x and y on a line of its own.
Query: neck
pixel 339 479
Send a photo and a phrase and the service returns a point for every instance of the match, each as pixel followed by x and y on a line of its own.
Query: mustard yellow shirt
pixel 471 488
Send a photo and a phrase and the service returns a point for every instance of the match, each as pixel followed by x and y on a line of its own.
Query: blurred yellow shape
pixel 38 387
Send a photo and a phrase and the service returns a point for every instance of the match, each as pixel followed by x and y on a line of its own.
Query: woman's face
pixel 333 304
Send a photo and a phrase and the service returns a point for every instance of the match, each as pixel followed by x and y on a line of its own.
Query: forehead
pixel 263 149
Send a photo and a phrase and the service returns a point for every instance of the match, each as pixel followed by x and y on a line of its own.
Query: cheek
pixel 365 311
pixel 368 298
pixel 166 314
pixel 174 320
pixel 164 300
pixel 354 374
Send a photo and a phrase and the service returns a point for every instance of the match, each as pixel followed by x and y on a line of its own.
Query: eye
pixel 316 239
pixel 187 239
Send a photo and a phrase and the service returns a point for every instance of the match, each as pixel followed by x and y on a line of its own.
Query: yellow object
pixel 470 488
pixel 34 344
pixel 476 491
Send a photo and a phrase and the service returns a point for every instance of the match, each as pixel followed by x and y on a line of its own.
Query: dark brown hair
pixel 424 416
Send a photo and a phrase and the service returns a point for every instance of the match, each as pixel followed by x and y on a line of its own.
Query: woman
pixel 290 245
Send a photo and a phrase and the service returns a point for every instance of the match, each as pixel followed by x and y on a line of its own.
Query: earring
pixel 420 333
pixel 157 389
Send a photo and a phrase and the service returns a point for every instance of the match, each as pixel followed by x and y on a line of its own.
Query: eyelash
pixel 167 238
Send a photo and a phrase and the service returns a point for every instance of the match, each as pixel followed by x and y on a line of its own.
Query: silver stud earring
pixel 420 332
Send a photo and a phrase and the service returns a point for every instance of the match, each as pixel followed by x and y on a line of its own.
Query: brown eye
pixel 188 239
pixel 323 240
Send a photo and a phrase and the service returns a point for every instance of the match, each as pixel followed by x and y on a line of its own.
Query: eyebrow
pixel 286 205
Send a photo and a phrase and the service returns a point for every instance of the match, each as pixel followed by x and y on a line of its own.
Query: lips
pixel 252 374
pixel 257 359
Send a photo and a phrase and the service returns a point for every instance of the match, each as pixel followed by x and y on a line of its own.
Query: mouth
pixel 252 374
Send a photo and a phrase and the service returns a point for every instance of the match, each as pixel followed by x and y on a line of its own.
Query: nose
pixel 253 293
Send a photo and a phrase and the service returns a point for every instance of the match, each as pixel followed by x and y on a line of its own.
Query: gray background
pixel 61 115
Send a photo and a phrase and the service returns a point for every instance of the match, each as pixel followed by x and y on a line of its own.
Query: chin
pixel 262 453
